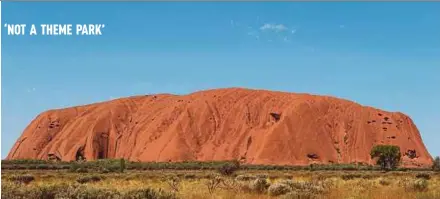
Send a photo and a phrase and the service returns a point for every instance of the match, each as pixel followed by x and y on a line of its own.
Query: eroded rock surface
pixel 253 126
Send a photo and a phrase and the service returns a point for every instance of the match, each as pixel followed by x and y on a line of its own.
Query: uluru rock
pixel 253 126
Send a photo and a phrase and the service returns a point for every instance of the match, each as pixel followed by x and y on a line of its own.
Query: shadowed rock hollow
pixel 254 126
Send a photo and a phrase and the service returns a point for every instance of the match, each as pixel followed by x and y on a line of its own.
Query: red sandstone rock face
pixel 255 126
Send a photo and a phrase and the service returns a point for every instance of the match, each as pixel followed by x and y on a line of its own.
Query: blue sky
pixel 378 54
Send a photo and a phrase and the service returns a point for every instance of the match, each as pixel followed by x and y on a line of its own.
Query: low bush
pixel 148 193
pixel 12 190
pixel 351 176
pixel 262 176
pixel 299 195
pixel 25 161
pixel 49 191
pixel 43 167
pixel 88 179
pixel 369 176
pixel 278 189
pixel 25 179
pixel 58 191
pixel 189 176
pixel 213 184
pixel 174 183
pixel 384 182
pixel 82 170
pixel 245 178
pixel 18 191
pixel 83 191
pixel 104 170
pixel 118 165
pixel 420 185
pixel 425 176
pixel 259 185
pixel 311 187
pixel 229 168
pixel 243 186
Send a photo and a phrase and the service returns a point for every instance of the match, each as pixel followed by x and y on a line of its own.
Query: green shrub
pixel 25 161
pixel 259 185
pixel 289 183
pixel 64 166
pixel 278 189
pixel 423 175
pixel 88 179
pixel 420 185
pixel 18 191
pixel 47 176
pixel 42 166
pixel 329 183
pixel 245 178
pixel 77 168
pixel 131 177
pixel 113 168
pixel 299 195
pixel 148 193
pixel 243 186
pixel 262 176
pixel 229 168
pixel 287 177
pixel 189 176
pixel 115 165
pixel 384 182
pixel 369 176
pixel 82 170
pixel 402 169
pixel 12 190
pixel 174 183
pixel 311 187
pixel 46 191
pixel 87 192
pixel 26 179
pixel 213 183
pixel 351 176
pixel 104 170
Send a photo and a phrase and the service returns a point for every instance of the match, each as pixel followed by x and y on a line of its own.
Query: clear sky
pixel 378 54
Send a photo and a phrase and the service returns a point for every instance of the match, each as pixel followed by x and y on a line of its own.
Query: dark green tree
pixel 229 168
pixel 436 164
pixel 122 165
pixel 388 156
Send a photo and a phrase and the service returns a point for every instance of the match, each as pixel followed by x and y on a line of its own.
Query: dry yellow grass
pixel 193 184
